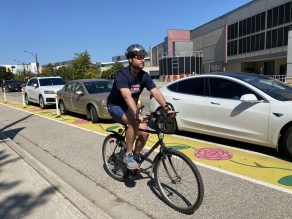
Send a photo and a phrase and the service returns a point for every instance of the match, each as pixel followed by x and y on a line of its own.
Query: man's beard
pixel 137 67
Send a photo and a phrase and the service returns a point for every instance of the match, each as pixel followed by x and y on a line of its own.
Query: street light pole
pixel 35 55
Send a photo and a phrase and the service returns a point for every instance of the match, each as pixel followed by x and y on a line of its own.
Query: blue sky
pixel 58 29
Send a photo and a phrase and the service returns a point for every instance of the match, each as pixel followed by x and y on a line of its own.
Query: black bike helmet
pixel 135 50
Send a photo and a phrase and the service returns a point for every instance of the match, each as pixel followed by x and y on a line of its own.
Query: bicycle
pixel 170 168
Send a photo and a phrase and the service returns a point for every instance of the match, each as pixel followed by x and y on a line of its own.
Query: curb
pixel 78 200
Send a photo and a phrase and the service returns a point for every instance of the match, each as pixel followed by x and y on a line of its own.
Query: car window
pixel 78 87
pixel 30 82
pixel 173 87
pixel 35 81
pixel 94 87
pixel 272 87
pixel 69 87
pixel 194 86
pixel 223 88
pixel 12 82
pixel 51 81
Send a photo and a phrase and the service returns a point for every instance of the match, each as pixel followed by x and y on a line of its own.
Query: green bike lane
pixel 259 168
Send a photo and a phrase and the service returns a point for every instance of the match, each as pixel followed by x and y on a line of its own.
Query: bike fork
pixel 174 179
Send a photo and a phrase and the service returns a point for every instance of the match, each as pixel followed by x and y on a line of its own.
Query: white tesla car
pixel 240 106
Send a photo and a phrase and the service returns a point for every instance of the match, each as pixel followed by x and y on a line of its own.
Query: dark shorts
pixel 116 111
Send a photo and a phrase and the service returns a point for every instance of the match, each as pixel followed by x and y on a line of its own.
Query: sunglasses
pixel 139 57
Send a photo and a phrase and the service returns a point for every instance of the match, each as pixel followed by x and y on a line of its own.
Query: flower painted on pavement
pixel 213 154
pixel 80 121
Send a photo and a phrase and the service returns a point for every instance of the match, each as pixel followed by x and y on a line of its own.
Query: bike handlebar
pixel 156 114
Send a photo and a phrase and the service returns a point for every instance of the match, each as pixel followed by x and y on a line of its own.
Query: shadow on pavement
pixel 17 204
pixel 17 121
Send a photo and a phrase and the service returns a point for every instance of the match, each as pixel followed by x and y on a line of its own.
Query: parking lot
pixel 224 164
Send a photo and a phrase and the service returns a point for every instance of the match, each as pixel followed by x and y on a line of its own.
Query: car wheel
pixel 287 143
pixel 92 114
pixel 27 102
pixel 62 108
pixel 165 124
pixel 42 103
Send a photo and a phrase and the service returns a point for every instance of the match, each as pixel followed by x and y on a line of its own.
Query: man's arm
pixel 158 97
pixel 126 93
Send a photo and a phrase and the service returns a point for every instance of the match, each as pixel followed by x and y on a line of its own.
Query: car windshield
pixel 95 87
pixel 12 82
pixel 272 87
pixel 51 81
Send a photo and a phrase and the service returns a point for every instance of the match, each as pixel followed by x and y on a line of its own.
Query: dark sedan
pixel 87 97
pixel 11 85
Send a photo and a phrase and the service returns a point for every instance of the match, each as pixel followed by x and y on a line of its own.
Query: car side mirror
pixel 79 92
pixel 249 98
pixel 35 85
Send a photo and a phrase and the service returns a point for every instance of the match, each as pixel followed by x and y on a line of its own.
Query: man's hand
pixel 169 111
pixel 142 118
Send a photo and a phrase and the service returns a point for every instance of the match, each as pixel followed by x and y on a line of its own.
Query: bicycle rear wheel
pixel 113 152
pixel 179 181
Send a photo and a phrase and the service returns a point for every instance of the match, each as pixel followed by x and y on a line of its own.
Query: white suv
pixel 42 90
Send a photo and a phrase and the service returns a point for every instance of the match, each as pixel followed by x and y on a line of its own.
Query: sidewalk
pixel 24 193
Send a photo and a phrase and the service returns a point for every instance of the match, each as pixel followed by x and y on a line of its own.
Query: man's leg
pixel 121 114
pixel 131 135
pixel 132 131
pixel 141 139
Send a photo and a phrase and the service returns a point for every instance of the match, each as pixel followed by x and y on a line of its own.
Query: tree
pixel 64 72
pixel 110 73
pixel 49 70
pixel 5 73
pixel 81 64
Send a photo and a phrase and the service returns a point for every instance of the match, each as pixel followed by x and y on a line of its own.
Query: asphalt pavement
pixel 74 154
pixel 26 194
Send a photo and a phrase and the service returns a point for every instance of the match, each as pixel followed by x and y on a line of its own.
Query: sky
pixel 57 30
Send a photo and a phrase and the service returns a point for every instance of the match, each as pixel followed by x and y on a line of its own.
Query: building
pixel 23 67
pixel 251 38
pixel 152 70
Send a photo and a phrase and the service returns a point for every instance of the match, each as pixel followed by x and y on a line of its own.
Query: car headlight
pixel 49 92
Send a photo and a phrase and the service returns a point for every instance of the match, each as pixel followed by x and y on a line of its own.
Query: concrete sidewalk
pixel 25 193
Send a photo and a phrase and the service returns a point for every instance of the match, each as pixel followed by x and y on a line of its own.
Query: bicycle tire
pixel 113 152
pixel 164 168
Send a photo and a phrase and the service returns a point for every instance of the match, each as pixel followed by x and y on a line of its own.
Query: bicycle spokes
pixel 179 182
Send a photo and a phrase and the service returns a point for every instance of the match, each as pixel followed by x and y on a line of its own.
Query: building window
pixel 232 48
pixel 232 31
pixel 216 66
pixel 279 15
pixel 278 37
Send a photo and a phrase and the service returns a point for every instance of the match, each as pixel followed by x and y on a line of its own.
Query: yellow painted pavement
pixel 256 166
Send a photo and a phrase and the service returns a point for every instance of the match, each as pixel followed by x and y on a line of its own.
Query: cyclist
pixel 122 101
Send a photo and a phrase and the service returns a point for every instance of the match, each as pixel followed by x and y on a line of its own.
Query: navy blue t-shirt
pixel 125 79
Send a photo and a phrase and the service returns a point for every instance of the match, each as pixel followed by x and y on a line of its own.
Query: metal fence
pixel 279 77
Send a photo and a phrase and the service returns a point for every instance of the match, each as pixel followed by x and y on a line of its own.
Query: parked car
pixel 42 90
pixel 11 85
pixel 240 106
pixel 87 97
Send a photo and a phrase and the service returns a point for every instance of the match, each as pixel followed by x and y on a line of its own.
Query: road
pixel 74 154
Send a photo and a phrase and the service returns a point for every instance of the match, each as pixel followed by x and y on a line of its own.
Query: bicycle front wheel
pixel 179 181
pixel 113 152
